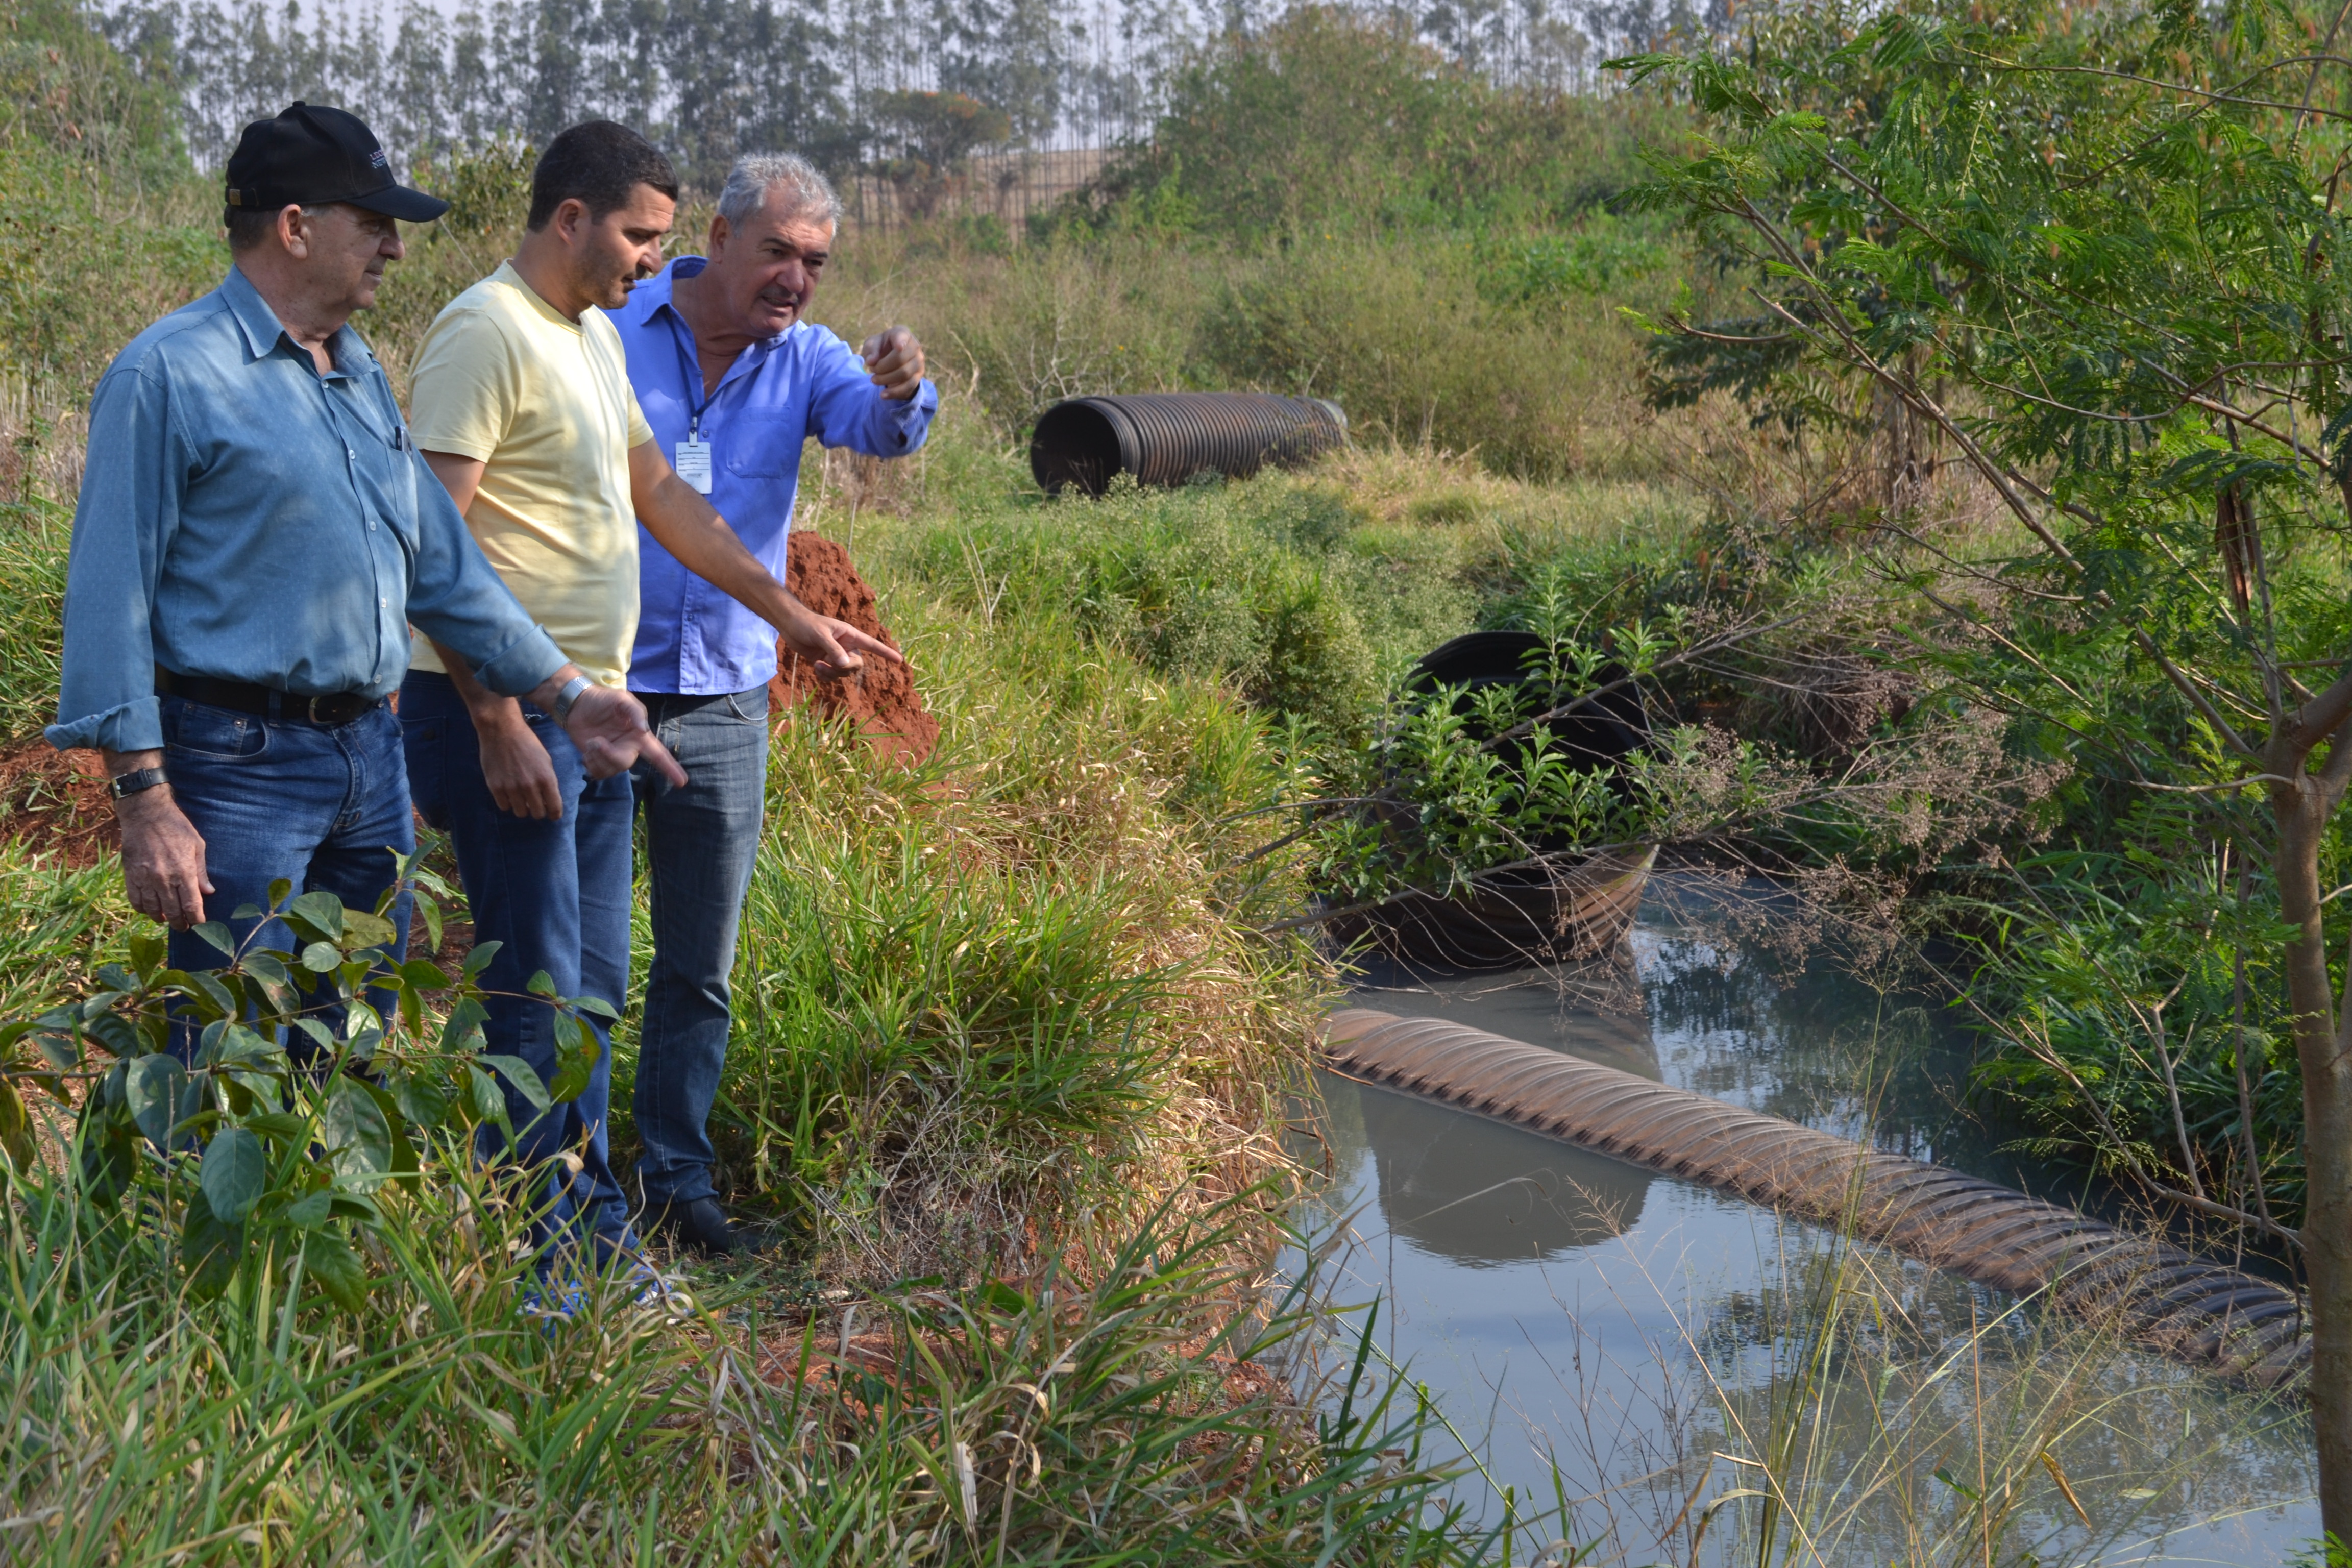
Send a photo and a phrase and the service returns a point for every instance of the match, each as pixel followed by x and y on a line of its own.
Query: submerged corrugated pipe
pixel 2168 1300
pixel 1166 438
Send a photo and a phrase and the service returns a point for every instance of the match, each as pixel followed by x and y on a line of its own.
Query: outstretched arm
pixel 675 513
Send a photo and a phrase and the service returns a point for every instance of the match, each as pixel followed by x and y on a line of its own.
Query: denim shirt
pixel 692 639
pixel 245 518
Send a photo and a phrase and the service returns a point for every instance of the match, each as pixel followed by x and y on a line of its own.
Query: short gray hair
pixel 807 192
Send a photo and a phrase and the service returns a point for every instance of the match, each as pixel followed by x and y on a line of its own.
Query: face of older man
pixel 762 275
pixel 342 251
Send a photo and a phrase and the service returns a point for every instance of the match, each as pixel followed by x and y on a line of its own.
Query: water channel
pixel 1639 1347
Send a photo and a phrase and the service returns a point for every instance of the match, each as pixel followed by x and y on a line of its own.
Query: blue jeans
pixel 324 808
pixel 555 896
pixel 701 842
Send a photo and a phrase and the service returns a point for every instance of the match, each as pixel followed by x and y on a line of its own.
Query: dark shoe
pixel 698 1224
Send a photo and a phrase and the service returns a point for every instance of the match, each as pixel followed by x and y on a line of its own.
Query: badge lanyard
pixel 693 463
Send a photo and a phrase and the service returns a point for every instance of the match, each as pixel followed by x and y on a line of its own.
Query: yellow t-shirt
pixel 503 377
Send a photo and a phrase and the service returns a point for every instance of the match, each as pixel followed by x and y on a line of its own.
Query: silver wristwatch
pixel 568 697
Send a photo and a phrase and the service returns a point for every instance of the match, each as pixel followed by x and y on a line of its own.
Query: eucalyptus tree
pixel 2098 256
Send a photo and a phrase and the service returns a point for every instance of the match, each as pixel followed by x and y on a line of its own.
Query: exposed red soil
pixel 880 699
pixel 55 803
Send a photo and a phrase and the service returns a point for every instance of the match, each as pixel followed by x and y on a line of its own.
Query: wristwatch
pixel 134 780
pixel 566 698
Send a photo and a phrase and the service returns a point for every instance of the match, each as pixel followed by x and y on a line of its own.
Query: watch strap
pixel 134 780
pixel 569 698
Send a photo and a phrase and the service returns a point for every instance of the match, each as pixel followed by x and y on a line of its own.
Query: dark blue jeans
pixel 325 808
pixel 701 844
pixel 555 896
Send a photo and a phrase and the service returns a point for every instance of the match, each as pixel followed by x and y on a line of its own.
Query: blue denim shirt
pixel 245 518
pixel 804 381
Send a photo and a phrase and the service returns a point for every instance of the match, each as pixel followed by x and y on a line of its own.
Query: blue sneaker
pixel 554 1302
pixel 651 1291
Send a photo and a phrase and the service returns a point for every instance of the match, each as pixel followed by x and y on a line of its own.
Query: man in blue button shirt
pixel 734 380
pixel 255 534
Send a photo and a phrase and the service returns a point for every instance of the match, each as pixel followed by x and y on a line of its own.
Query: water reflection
pixel 1483 1194
pixel 1614 1333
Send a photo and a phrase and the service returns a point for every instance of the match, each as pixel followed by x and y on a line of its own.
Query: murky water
pixel 1647 1349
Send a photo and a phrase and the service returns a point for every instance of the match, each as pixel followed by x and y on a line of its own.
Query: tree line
pixel 854 83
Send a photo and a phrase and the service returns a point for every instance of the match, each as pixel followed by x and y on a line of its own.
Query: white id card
pixel 694 463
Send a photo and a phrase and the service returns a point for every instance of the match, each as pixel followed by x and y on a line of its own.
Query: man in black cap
pixel 256 533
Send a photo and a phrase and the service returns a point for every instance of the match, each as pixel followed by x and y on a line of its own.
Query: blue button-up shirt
pixel 807 380
pixel 245 518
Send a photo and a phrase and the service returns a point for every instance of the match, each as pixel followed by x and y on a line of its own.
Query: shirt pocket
pixel 765 446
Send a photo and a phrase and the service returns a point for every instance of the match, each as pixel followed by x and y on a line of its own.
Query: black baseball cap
pixel 309 156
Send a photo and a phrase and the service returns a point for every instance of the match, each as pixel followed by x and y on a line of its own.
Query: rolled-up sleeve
pixel 129 509
pixel 846 409
pixel 458 599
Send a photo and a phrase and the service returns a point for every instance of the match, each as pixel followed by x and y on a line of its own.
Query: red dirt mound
pixel 881 698
pixel 54 802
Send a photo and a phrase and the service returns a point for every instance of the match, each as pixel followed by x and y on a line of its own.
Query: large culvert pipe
pixel 1167 437
pixel 2168 1300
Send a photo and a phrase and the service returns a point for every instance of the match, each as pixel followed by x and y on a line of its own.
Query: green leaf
pixel 571 1077
pixel 16 1128
pixel 156 1088
pixel 329 1260
pixel 234 1172
pixel 237 1045
pixel 523 1077
pixel 423 974
pixel 429 911
pixel 480 958
pixel 147 948
pixel 362 929
pixel 541 983
pixel 311 1210
pixel 425 1103
pixel 321 910
pixel 464 1021
pixel 283 1125
pixel 109 1154
pixel 320 958
pixel 489 1100
pixel 210 1249
pixel 358 1139
pixel 598 1007
pixel 218 935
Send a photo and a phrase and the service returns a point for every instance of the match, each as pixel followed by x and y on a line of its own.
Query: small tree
pixel 2098 254
pixel 937 133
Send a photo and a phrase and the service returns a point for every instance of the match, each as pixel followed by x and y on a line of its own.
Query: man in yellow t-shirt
pixel 521 404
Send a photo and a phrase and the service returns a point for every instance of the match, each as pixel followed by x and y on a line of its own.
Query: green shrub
pixel 1252 583
pixel 33 535
pixel 1402 336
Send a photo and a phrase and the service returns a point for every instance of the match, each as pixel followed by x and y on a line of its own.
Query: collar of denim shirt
pixel 653 300
pixel 264 332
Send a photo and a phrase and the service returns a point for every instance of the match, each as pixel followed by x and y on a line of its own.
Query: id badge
pixel 693 463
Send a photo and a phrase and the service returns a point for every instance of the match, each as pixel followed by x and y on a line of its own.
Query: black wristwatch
pixel 132 781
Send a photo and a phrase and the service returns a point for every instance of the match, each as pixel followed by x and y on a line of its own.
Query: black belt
pixel 245 696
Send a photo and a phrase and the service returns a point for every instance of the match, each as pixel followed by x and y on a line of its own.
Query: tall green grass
pixel 1092 1418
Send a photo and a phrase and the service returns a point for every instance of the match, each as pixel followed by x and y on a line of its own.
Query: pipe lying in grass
pixel 2197 1311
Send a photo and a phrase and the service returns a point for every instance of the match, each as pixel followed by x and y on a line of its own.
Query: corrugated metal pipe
pixel 2197 1311
pixel 1166 438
